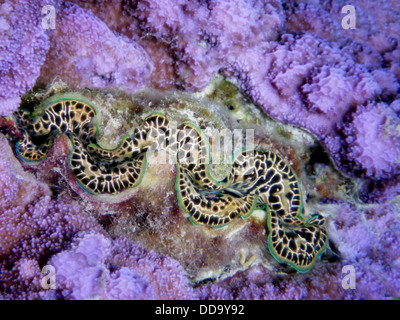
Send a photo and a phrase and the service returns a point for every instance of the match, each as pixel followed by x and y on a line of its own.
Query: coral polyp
pixel 257 178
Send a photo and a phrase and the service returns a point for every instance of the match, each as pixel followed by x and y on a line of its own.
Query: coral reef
pixel 293 61
pixel 24 45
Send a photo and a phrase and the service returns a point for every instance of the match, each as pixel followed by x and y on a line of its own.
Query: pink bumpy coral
pixel 89 54
pixel 23 48
pixel 373 140
pixel 82 273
